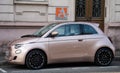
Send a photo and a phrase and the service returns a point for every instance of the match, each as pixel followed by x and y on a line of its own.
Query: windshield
pixel 45 29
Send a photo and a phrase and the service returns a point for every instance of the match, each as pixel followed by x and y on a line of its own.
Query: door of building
pixel 90 11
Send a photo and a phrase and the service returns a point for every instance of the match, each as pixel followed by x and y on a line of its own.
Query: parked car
pixel 62 43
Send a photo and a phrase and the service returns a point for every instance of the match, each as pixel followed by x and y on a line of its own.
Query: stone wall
pixel 35 10
pixel 69 4
pixel 112 21
pixel 114 33
pixel 6 10
pixel 31 13
pixel 112 8
pixel 18 17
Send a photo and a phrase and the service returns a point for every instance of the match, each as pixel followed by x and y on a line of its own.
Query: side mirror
pixel 53 34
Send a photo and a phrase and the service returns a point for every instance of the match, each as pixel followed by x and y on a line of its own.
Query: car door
pixel 90 38
pixel 65 46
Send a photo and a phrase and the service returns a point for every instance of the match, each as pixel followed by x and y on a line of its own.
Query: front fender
pixel 28 47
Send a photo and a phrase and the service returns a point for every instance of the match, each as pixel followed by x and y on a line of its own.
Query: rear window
pixel 87 29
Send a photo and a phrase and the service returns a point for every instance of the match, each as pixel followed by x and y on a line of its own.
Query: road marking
pixel 50 69
pixel 36 70
pixel 81 68
pixel 110 67
pixel 59 69
pixel 75 68
pixel 2 70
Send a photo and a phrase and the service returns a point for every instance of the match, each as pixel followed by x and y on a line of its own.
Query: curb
pixel 117 58
pixel 3 62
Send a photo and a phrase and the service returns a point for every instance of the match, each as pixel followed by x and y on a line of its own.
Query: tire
pixel 35 59
pixel 103 57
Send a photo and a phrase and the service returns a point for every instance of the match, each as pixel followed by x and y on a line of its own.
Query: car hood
pixel 24 40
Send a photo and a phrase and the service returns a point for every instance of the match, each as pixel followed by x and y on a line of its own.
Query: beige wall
pixel 53 4
pixel 112 11
pixel 6 10
pixel 18 17
pixel 35 10
pixel 14 33
pixel 115 11
pixel 31 13
pixel 112 21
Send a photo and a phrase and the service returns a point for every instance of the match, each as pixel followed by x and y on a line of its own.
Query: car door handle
pixel 80 40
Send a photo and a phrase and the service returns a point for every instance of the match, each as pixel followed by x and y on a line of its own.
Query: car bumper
pixel 15 56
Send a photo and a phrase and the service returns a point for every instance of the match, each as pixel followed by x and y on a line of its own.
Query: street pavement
pixel 5 67
pixel 64 68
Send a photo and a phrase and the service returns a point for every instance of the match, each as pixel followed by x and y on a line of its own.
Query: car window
pixel 87 29
pixel 61 31
pixel 73 29
pixel 68 30
pixel 45 29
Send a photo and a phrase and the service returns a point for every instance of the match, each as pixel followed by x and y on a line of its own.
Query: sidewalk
pixel 117 55
pixel 117 58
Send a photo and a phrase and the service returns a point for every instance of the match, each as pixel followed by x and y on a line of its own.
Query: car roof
pixel 85 23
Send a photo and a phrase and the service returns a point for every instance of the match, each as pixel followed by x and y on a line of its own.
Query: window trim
pixel 83 25
pixel 80 29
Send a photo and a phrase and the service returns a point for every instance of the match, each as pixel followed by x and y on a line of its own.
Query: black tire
pixel 103 57
pixel 35 59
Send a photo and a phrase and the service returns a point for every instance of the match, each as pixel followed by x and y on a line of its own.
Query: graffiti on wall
pixel 61 13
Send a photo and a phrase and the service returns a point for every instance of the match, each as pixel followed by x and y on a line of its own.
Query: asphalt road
pixel 64 68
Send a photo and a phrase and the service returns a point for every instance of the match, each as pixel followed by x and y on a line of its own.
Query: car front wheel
pixel 35 59
pixel 103 57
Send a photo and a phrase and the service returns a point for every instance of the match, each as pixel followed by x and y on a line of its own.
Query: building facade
pixel 20 17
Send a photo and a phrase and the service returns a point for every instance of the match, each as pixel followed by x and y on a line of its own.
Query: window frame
pixel 80 29
pixel 83 32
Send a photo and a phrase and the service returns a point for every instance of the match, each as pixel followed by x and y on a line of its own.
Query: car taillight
pixel 110 39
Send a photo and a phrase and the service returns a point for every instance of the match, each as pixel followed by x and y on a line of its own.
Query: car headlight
pixel 18 51
pixel 18 46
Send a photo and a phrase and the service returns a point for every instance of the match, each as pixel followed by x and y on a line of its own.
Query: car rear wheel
pixel 35 59
pixel 103 57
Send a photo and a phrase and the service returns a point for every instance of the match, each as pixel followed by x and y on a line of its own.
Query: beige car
pixel 62 43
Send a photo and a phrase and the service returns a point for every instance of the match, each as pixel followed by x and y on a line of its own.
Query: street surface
pixel 64 68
